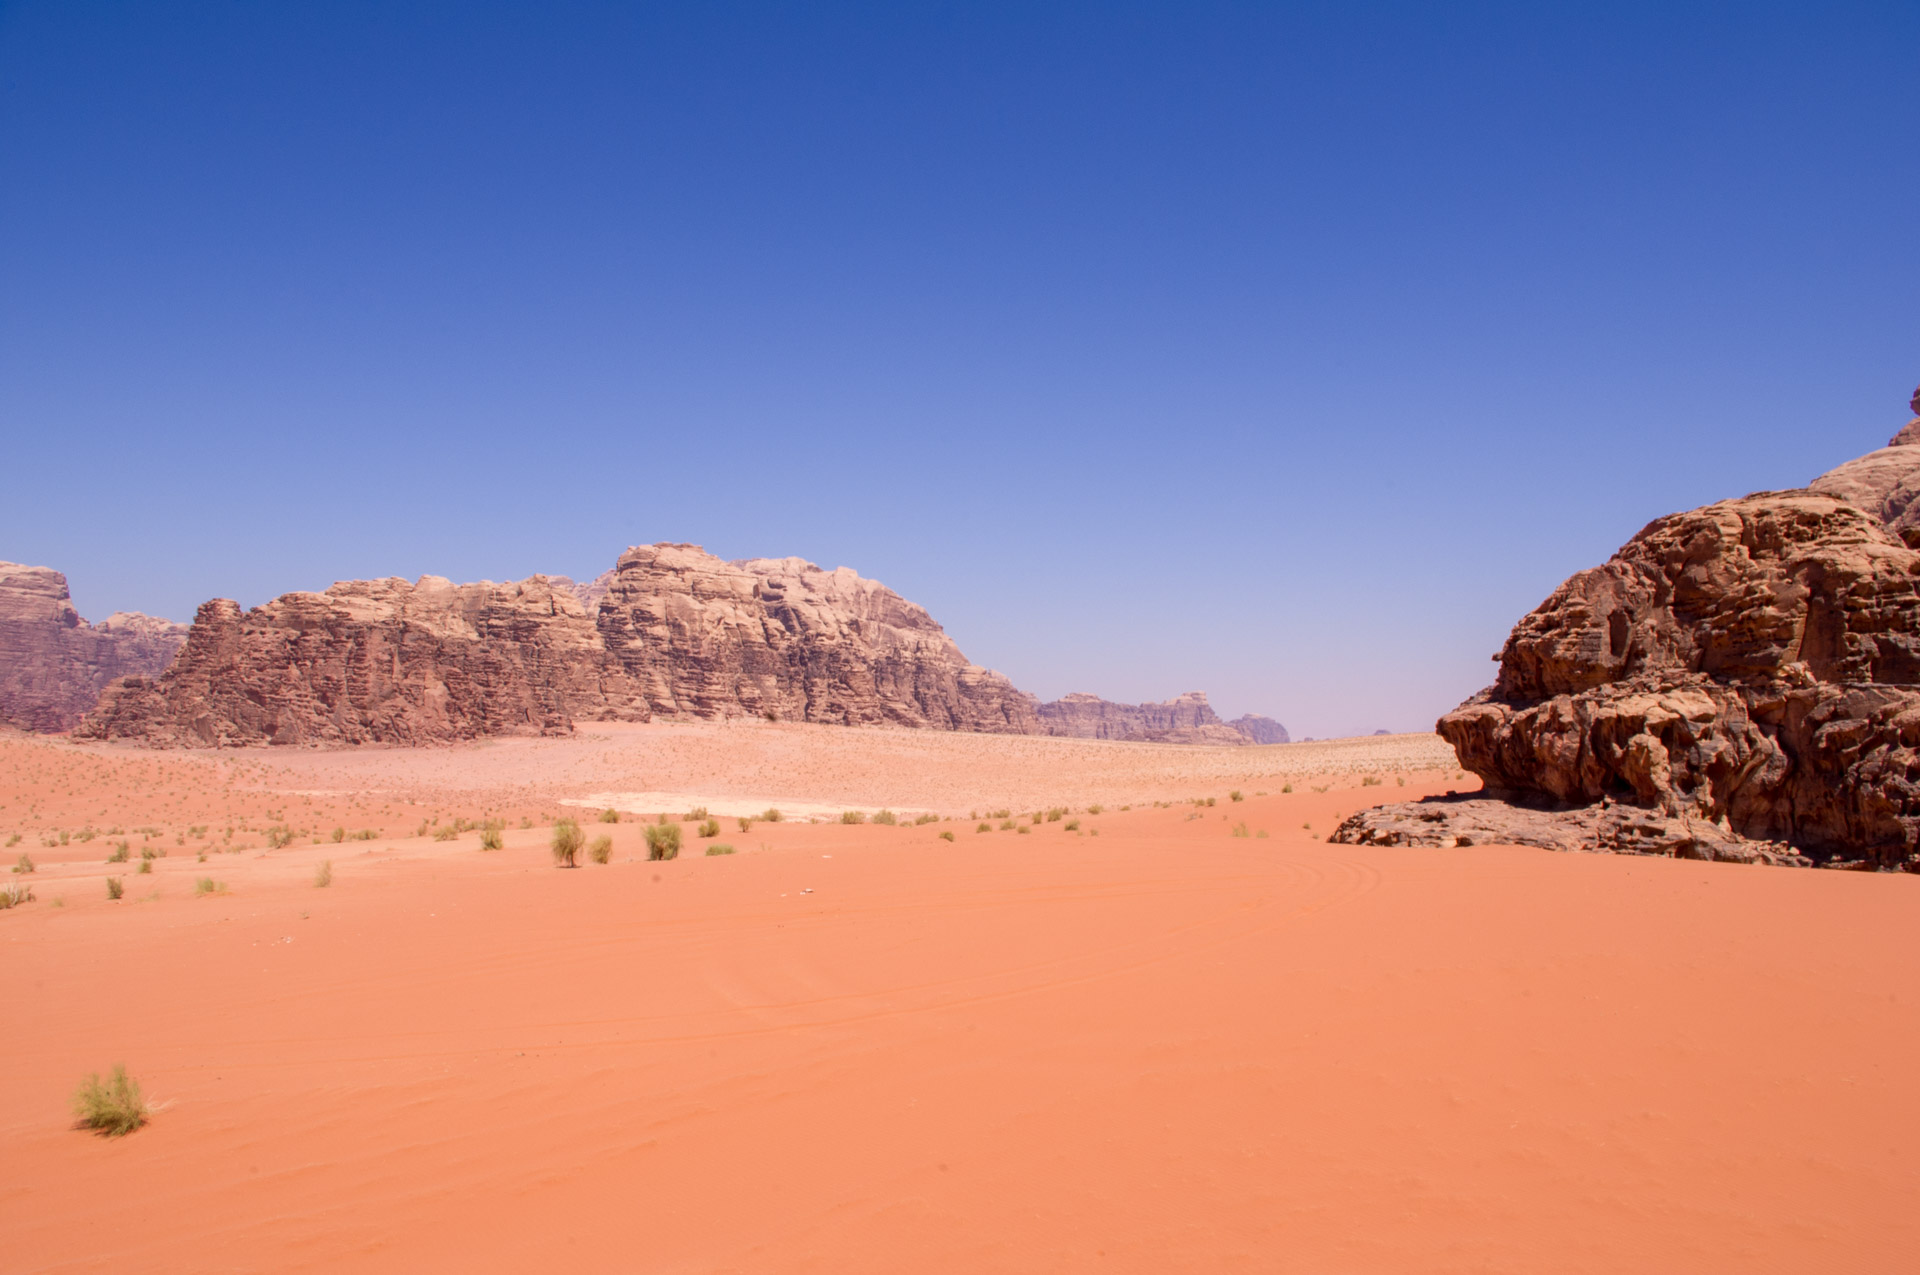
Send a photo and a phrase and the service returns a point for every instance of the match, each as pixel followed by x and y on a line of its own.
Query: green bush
pixel 567 839
pixel 887 817
pixel 719 847
pixel 771 815
pixel 115 888
pixel 853 816
pixel 601 850
pixel 711 828
pixel 609 815
pixel 663 841
pixel 744 821
pixel 112 1107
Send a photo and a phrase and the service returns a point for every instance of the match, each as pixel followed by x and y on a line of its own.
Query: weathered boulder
pixel 53 664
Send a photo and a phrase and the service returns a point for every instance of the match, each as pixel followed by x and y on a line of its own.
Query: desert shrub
pixel 567 839
pixel 279 835
pixel 112 1107
pixel 365 834
pixel 339 835
pixel 1236 795
pixel 696 815
pixel 1000 814
pixel 711 828
pixel 926 819
pixel 148 852
pixel 63 838
pixel 526 821
pixel 984 827
pixel 947 836
pixel 853 816
pixel 145 868
pixel 719 847
pixel 120 852
pixel 115 888
pixel 1006 825
pixel 1400 780
pixel 13 841
pixel 491 836
pixel 1286 787
pixel 1370 781
pixel 1056 813
pixel 609 815
pixel 663 840
pixel 601 850
pixel 1073 825
pixel 771 815
pixel 448 833
pixel 421 831
pixel 1260 835
pixel 25 865
pixel 1210 801
pixel 1240 830
pixel 323 875
pixel 887 817
pixel 13 894
pixel 1024 829
pixel 207 885
pixel 745 822
pixel 1038 815
pixel 1096 808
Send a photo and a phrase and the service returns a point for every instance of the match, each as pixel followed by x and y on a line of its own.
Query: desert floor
pixel 1157 1041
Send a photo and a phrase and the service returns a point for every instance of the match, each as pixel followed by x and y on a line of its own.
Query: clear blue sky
pixel 1289 352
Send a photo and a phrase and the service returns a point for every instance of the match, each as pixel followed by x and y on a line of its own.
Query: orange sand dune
pixel 1163 1047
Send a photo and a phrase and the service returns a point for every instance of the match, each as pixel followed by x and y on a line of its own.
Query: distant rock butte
pixel 1741 681
pixel 53 664
pixel 671 631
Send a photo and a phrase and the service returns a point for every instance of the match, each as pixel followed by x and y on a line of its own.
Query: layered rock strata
pixel 53 664
pixel 1748 670
pixel 1184 719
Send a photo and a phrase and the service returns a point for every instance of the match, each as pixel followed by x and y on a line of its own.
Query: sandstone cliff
pixel 1739 681
pixel 670 631
pixel 53 664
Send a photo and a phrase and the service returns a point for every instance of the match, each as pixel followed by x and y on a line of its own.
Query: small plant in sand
pixel 710 828
pixel 947 836
pixel 609 815
pixel 566 843
pixel 887 817
pixel 526 821
pixel 695 815
pixel 1236 795
pixel 853 816
pixel 1038 815
pixel 1002 813
pixel 984 827
pixel 145 868
pixel 112 1107
pixel 25 865
pixel 14 893
pixel 13 841
pixel 115 887
pixel 1210 801
pixel 1286 787
pixel 323 875
pixel 149 852
pixel 1400 781
pixel 1096 808
pixel 745 822
pixel 1024 829
pixel 601 850
pixel 1260 835
pixel 339 835
pixel 771 815
pixel 1006 825
pixel 1370 781
pixel 926 819
pixel 421 831
pixel 120 852
pixel 1240 830
pixel 1073 825
pixel 492 835
pixel 201 857
pixel 1056 813
pixel 279 836
pixel 207 885
pixel 719 847
pixel 663 841
pixel 447 833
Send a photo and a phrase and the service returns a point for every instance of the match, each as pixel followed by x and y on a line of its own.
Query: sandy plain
pixel 1142 1044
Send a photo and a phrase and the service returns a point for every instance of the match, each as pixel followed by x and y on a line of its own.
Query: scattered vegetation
pixel 13 894
pixel 948 835
pixel 853 816
pixel 25 865
pixel 999 814
pixel 567 839
pixel 145 868
pixel 663 841
pixel 719 847
pixel 323 875
pixel 771 815
pixel 339 835
pixel 279 836
pixel 1260 835
pixel 696 815
pixel 887 817
pixel 447 833
pixel 745 822
pixel 1240 830
pixel 1236 795
pixel 115 887
pixel 1400 780
pixel 1038 815
pixel 711 828
pixel 120 852
pixel 1056 813
pixel 1096 808
pixel 1286 787
pixel 1073 825
pixel 112 1107
pixel 1209 801
pixel 492 835
pixel 926 819
pixel 1370 781
pixel 1024 829
pixel 1006 825
pixel 609 815
pixel 984 827
pixel 207 885
pixel 601 850
pixel 13 841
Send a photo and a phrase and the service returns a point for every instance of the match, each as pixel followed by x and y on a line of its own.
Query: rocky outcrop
pixel 1607 826
pixel 1261 730
pixel 1184 719
pixel 1751 666
pixel 671 631
pixel 53 664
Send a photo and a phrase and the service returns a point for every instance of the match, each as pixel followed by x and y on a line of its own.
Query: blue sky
pixel 1288 352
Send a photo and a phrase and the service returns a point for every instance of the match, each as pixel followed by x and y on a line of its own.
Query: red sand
pixel 1159 1048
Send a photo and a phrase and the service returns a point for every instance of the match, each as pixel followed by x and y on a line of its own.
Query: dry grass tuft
pixel 115 887
pixel 853 816
pixel 567 840
pixel 663 841
pixel 719 847
pixel 609 815
pixel 601 850
pixel 323 875
pixel 710 828
pixel 112 1108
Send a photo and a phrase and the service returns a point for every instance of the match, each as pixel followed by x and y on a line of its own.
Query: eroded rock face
pixel 53 664
pixel 1261 730
pixel 1184 719
pixel 1752 665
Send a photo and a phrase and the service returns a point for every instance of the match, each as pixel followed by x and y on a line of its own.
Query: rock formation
pixel 1745 671
pixel 671 631
pixel 53 664
pixel 1261 730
